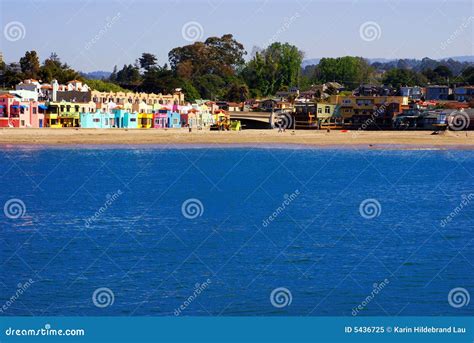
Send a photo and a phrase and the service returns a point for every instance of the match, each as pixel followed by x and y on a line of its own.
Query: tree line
pixel 216 69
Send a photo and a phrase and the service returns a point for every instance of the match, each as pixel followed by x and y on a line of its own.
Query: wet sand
pixel 373 139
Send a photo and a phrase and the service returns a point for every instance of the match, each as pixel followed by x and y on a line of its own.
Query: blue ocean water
pixel 268 231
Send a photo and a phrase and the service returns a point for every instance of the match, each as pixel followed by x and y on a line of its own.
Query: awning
pixel 23 106
pixel 1 106
pixel 15 106
pixel 43 107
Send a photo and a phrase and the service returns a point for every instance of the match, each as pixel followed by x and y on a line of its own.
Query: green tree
pixel 350 71
pixel 273 68
pixel 404 77
pixel 148 61
pixel 30 64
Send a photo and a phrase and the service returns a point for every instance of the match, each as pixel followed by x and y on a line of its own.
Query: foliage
pixel 104 86
pixel 403 77
pixel 350 71
pixel 273 68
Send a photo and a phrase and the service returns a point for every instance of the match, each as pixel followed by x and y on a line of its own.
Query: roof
pixel 7 96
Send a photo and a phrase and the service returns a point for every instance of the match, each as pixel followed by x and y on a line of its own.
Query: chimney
pixel 55 85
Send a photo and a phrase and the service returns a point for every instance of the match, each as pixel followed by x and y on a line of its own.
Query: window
pixel 96 120
pixel 320 110
pixel 133 119
pixel 34 110
pixel 175 121
pixel 327 109
pixel 106 121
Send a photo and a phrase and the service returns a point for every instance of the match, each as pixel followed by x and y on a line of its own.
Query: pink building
pixel 15 112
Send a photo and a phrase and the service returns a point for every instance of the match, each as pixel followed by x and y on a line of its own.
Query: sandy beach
pixel 372 139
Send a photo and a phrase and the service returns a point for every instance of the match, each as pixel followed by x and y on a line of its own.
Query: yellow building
pixel 145 120
pixel 66 114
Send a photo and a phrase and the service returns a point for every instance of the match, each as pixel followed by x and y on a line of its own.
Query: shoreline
pixel 377 140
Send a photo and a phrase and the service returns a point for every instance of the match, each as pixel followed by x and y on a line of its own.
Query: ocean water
pixel 241 231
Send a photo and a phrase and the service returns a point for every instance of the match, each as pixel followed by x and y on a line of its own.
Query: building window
pixel 327 109
pixel 96 120
pixel 34 110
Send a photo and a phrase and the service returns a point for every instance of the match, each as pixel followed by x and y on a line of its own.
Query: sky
pixel 98 34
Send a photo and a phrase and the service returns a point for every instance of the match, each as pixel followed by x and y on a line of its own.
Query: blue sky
pixel 96 35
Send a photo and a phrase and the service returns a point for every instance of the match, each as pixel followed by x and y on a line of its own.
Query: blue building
pixel 125 119
pixel 438 92
pixel 174 120
pixel 97 120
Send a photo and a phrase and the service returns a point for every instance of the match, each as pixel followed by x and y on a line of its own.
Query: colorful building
pixel 125 119
pixel 66 114
pixel 97 120
pixel 145 120
pixel 160 119
pixel 174 120
pixel 15 112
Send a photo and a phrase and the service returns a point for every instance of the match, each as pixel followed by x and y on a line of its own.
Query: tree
pixel 404 77
pixel 30 65
pixel 468 75
pixel 147 61
pixel 52 68
pixel 348 70
pixel 237 92
pixel 275 67
pixel 210 65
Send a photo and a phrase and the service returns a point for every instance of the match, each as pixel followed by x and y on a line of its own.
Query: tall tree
pixel 30 64
pixel 273 68
pixel 148 61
